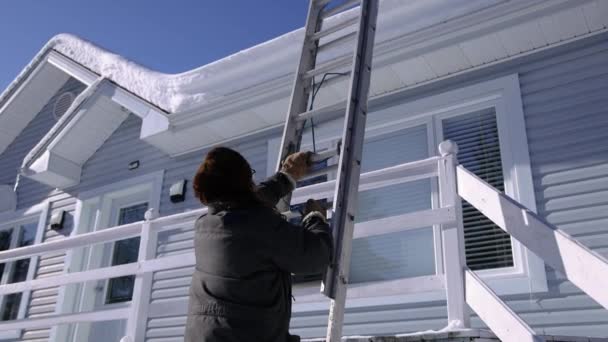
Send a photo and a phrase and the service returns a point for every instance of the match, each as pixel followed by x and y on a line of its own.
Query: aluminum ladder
pixel 348 169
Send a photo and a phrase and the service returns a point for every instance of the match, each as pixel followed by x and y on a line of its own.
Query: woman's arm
pixel 305 249
pixel 275 188
pixel 283 182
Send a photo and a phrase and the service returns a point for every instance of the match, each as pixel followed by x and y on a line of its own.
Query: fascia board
pixel 71 68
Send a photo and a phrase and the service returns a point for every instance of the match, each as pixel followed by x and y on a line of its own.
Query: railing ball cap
pixel 448 147
pixel 150 214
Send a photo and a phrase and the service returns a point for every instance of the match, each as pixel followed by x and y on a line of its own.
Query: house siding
pixel 566 113
pixel 565 105
pixel 42 301
pixel 30 192
pixel 110 163
pixel 566 109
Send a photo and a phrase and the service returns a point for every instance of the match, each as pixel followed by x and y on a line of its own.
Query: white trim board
pixel 503 95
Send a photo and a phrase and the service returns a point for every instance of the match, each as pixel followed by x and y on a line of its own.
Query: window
pixel 302 278
pixel 402 254
pixel 118 203
pixel 486 121
pixel 17 271
pixel 125 251
pixel 486 245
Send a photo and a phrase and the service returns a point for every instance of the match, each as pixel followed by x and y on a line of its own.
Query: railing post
pixel 136 324
pixel 452 236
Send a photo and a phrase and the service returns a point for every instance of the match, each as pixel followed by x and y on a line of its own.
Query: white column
pixel 452 237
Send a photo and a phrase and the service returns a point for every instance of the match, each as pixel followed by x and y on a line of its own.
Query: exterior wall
pixel 110 163
pixel 566 111
pixel 566 106
pixel 42 302
pixel 565 103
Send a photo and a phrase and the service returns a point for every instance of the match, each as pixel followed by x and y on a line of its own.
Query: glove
pixel 296 165
pixel 313 206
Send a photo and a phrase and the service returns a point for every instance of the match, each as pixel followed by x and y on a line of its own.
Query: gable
pixel 33 131
pixel 110 162
pixel 19 106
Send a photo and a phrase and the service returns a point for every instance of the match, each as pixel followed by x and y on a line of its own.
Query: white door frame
pixel 94 211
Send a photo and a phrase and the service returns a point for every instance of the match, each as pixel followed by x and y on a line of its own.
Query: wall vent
pixel 62 104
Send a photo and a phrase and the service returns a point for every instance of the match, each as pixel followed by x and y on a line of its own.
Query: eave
pixel 94 115
pixel 470 42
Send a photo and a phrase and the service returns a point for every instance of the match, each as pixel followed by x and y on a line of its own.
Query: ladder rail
pixel 299 96
pixel 347 184
pixel 348 168
pixel 340 8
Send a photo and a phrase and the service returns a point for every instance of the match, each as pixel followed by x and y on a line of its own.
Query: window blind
pixel 487 246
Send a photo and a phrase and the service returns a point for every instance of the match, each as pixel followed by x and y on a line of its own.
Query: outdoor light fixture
pixel 134 165
pixel 177 192
pixel 57 219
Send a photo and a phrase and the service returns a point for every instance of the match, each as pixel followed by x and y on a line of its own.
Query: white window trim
pixel 503 95
pixel 151 182
pixel 9 220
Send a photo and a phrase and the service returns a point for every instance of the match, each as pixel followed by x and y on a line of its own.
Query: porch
pixel 462 286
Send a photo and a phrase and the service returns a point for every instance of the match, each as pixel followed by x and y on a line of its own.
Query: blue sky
pixel 169 35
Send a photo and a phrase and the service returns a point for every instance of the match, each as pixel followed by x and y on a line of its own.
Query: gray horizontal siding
pixel 42 301
pixel 30 192
pixel 565 105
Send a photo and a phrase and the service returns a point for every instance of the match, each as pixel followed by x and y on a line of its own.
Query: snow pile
pixel 274 58
pixel 453 326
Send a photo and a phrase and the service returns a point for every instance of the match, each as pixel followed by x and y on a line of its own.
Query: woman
pixel 246 251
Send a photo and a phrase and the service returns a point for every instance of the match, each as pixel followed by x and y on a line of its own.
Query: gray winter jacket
pixel 241 288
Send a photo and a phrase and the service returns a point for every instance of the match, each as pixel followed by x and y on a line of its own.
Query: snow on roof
pixel 274 58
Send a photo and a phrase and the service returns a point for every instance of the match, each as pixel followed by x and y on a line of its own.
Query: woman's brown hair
pixel 224 177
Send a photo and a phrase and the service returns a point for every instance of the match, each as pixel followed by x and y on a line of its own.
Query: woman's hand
pixel 297 164
pixel 314 206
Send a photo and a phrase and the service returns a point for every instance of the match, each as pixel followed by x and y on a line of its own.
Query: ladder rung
pixel 328 66
pixel 319 111
pixel 320 172
pixel 335 28
pixel 321 156
pixel 337 41
pixel 339 8
pixel 291 214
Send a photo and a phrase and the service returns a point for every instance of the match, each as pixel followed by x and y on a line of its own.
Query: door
pixel 117 292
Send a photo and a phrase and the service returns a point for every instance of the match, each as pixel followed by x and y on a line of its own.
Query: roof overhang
pixel 94 115
pixel 486 37
pixel 478 40
pixel 22 105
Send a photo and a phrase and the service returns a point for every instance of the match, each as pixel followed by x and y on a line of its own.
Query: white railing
pixel 583 267
pixel 463 287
